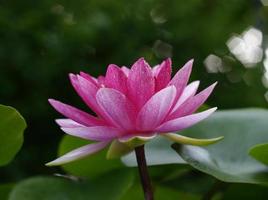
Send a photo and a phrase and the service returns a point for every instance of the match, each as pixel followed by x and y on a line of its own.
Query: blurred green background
pixel 42 41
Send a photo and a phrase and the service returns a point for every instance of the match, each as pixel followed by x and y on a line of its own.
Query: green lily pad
pixel 160 193
pixel 228 160
pixel 191 182
pixel 172 194
pixel 5 190
pixel 245 192
pixel 260 152
pixel 53 188
pixel 12 126
pixel 91 166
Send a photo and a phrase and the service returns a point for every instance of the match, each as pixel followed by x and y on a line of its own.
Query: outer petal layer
pixel 89 78
pixel 75 114
pixel 156 109
pixel 184 122
pixel 96 133
pixel 181 78
pixel 86 90
pixel 188 92
pixel 118 149
pixel 137 140
pixel 78 153
pixel 68 123
pixel 193 103
pixel 181 139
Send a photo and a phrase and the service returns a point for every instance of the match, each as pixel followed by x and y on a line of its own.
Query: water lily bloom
pixel 132 106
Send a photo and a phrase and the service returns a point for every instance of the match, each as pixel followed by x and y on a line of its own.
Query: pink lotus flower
pixel 132 106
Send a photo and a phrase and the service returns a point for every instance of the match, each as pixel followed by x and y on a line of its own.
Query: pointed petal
pixel 96 133
pixel 117 108
pixel 184 122
pixel 141 84
pixel 163 75
pixel 188 92
pixel 156 109
pixel 155 70
pixel 78 153
pixel 181 78
pixel 75 114
pixel 125 70
pixel 115 78
pixel 101 81
pixel 86 90
pixel 193 103
pixel 191 141
pixel 68 123
pixel 89 78
pixel 89 95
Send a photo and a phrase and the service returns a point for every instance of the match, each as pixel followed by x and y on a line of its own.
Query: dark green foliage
pixel 42 41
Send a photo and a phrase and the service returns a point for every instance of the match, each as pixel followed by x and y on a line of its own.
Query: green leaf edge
pixel 24 126
pixel 252 152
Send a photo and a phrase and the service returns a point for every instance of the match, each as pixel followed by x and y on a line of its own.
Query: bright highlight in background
pixel 247 47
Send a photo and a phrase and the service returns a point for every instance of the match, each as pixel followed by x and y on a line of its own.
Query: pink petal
pixel 193 103
pixel 125 70
pixel 141 84
pixel 97 133
pixel 155 70
pixel 163 75
pixel 89 78
pixel 184 122
pixel 188 92
pixel 78 153
pixel 181 78
pixel 118 109
pixel 156 109
pixel 86 90
pixel 68 123
pixel 89 92
pixel 115 78
pixel 101 81
pixel 75 114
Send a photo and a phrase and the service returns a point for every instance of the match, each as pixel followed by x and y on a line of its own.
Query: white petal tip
pixel 52 164
pixel 214 109
pixel 52 101
pixel 214 84
pixel 71 75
